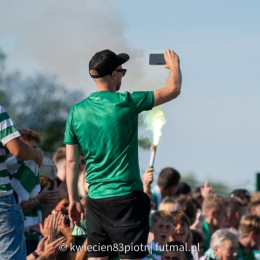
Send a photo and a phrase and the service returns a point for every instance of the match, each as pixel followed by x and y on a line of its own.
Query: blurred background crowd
pixel 209 226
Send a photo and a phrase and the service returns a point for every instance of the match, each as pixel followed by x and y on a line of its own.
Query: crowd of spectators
pixel 184 224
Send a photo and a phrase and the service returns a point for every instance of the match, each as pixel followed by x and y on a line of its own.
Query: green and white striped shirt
pixel 8 132
pixel 155 251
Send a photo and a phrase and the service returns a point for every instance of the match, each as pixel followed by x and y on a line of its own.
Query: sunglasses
pixel 123 71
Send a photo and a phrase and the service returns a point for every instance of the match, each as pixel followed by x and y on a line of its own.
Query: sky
pixel 213 127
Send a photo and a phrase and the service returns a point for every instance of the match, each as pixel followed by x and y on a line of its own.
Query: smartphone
pixel 157 59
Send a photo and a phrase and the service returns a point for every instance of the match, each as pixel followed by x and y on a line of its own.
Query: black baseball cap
pixel 241 193
pixel 105 62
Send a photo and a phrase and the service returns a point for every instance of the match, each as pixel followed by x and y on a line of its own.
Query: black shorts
pixel 118 226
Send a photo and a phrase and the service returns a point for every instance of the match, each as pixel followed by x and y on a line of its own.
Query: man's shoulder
pixel 76 107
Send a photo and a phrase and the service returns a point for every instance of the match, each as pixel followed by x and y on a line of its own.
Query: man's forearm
pixel 72 171
pixel 21 150
pixel 174 82
pixel 27 205
pixel 72 175
pixel 173 86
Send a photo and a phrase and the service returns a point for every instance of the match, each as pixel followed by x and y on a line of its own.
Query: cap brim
pixel 122 58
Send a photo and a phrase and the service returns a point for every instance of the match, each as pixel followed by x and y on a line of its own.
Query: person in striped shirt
pixel 12 244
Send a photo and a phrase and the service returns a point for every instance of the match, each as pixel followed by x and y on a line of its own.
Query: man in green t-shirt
pixel 105 127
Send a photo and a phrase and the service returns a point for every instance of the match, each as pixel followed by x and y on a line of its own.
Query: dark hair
pixel 197 193
pixel 188 207
pixel 197 237
pixel 183 188
pixel 174 246
pixel 234 205
pixel 66 255
pixel 180 216
pixel 168 177
pixel 196 203
pixel 28 135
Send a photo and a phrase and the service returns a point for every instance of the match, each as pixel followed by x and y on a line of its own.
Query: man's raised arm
pixel 173 86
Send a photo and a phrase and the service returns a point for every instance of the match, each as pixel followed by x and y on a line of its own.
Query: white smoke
pixel 60 36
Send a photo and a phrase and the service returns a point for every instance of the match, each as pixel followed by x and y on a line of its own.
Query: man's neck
pixel 102 89
pixel 61 175
pixel 211 226
pixel 104 86
pixel 163 193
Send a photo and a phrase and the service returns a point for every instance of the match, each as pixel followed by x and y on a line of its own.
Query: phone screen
pixel 157 59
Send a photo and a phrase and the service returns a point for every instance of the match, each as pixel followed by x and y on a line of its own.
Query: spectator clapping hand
pixel 51 249
pixel 66 230
pixel 51 226
pixel 48 196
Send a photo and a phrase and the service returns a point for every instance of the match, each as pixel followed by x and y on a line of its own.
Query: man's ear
pixel 251 235
pixel 252 210
pixel 213 213
pixel 237 214
pixel 215 249
pixel 113 75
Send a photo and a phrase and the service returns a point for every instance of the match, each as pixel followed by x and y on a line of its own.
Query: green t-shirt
pixel 106 127
pixel 241 256
pixel 207 236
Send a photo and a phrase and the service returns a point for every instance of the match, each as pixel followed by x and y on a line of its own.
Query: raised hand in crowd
pixel 39 250
pixel 66 230
pixel 48 196
pixel 198 223
pixel 50 228
pixel 51 249
pixel 206 190
pixel 148 179
pixel 45 196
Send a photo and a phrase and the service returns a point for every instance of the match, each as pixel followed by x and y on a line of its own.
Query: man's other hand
pixel 76 212
pixel 148 177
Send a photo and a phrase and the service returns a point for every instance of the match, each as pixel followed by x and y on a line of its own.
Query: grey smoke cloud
pixel 59 37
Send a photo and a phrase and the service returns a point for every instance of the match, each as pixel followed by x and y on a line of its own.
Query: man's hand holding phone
pixel 171 59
